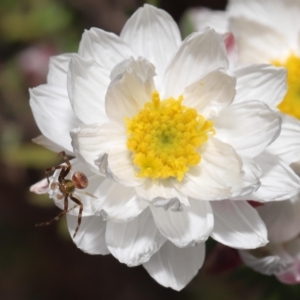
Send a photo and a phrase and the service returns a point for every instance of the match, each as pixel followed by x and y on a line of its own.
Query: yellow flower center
pixel 291 102
pixel 165 136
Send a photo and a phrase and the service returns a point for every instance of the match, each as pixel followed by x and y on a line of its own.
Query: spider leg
pixel 73 207
pixel 89 194
pixel 79 214
pixel 53 169
pixel 69 166
pixel 58 216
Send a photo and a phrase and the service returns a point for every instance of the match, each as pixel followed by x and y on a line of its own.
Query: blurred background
pixel 42 263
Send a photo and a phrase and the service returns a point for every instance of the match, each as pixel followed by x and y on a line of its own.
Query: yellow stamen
pixel 291 102
pixel 165 136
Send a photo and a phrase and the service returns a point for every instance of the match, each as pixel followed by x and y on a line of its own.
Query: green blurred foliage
pixel 269 287
pixel 186 25
pixel 154 2
pixel 31 19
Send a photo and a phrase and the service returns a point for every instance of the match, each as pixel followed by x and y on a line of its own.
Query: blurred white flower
pixel 159 149
pixel 281 257
pixel 250 44
pixel 267 32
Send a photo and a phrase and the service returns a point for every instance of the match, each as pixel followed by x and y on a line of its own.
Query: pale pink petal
pixel 41 187
pixel 291 275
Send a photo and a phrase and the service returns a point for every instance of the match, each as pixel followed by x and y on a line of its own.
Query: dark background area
pixel 43 263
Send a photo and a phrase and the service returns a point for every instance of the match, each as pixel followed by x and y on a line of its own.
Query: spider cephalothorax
pixel 67 187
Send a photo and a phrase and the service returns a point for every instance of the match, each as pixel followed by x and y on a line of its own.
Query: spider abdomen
pixel 80 180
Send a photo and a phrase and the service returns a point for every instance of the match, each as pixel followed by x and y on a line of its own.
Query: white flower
pixel 160 148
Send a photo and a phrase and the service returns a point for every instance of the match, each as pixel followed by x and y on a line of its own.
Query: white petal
pixel 259 42
pixel 153 34
pixel 92 142
pixel 175 267
pixel 238 225
pixel 105 48
pixel 103 149
pixel 220 169
pixel 211 94
pixel 129 91
pixel 134 242
pixel 278 182
pixel 90 237
pixel 287 145
pixel 268 265
pixel 187 227
pixel 53 114
pixel 199 54
pixel 277 14
pixel 116 202
pixel 162 193
pixel 58 70
pixel 282 219
pixel 250 181
pixel 265 83
pixel 45 142
pixel 87 86
pixel 41 187
pixel 249 127
pixel 121 168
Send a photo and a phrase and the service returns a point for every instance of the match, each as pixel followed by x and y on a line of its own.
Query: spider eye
pixel 80 180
